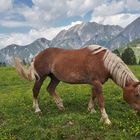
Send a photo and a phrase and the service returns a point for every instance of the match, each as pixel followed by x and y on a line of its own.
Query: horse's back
pixel 68 65
pixel 71 65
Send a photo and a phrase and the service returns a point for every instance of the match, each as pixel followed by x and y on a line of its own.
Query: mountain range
pixel 86 33
pixel 25 53
pixel 129 33
pixel 110 36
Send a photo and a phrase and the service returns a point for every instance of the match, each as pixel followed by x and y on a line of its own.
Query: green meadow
pixel 19 122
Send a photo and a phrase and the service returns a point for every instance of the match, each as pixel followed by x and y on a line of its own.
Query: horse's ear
pixel 135 84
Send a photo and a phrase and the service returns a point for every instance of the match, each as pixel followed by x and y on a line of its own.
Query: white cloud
pixel 118 19
pixel 14 38
pixel 80 7
pixel 5 5
pixel 66 7
pixel 12 23
pixel 108 9
pixel 46 13
pixel 116 12
pixel 116 7
pixel 133 5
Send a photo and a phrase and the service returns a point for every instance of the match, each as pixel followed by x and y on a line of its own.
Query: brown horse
pixel 90 65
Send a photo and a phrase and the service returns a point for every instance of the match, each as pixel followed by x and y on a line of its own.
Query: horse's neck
pixel 125 81
pixel 118 70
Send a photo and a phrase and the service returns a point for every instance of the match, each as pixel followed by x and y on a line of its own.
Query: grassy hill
pixel 19 122
pixel 135 45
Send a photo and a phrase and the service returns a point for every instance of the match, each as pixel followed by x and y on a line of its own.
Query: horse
pixel 92 64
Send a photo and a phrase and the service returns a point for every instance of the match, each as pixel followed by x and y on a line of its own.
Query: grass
pixel 19 122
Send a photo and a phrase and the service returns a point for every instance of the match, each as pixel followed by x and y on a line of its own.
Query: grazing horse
pixel 92 65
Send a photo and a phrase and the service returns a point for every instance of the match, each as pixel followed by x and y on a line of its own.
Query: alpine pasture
pixel 19 122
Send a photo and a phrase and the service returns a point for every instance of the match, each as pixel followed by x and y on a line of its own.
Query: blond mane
pixel 118 69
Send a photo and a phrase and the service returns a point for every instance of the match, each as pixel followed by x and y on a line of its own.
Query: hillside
pixel 19 122
pixel 135 45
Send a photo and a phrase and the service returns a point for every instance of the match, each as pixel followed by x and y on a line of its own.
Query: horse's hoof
pixel 105 121
pixel 62 109
pixel 38 112
pixel 92 110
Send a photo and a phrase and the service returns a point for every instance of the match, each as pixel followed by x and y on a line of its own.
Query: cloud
pixel 66 7
pixel 47 13
pixel 13 23
pixel 116 12
pixel 80 7
pixel 118 19
pixel 133 5
pixel 108 9
pixel 5 5
pixel 42 17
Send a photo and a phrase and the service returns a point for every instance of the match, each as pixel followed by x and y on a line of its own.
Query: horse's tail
pixel 29 74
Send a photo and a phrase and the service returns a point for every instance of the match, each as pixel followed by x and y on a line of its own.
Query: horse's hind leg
pixel 91 103
pixel 36 90
pixel 51 89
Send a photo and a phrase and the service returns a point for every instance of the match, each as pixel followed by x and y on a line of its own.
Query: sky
pixel 23 21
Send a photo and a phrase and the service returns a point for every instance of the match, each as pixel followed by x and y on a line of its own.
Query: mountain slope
pixel 110 36
pixel 26 53
pixel 130 33
pixel 85 33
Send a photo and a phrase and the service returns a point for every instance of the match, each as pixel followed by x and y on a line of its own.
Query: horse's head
pixel 131 94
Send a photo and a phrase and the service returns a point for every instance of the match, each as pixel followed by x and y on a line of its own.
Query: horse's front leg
pixel 100 100
pixel 51 89
pixel 36 90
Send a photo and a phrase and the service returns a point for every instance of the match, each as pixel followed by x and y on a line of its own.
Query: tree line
pixel 2 64
pixel 128 56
